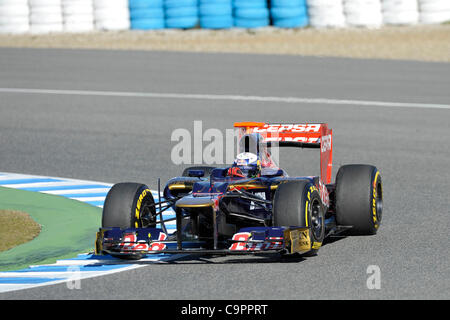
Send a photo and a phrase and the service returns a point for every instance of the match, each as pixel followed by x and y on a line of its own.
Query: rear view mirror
pixel 196 173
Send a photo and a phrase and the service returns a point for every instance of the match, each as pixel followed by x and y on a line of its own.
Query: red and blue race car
pixel 252 206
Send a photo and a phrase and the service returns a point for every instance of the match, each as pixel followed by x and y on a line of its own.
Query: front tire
pixel 129 205
pixel 359 198
pixel 298 204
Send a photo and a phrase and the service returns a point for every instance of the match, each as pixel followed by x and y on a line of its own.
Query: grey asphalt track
pixel 115 139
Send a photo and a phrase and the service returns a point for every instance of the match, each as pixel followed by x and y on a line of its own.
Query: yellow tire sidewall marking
pixel 310 191
pixel 138 206
pixel 374 200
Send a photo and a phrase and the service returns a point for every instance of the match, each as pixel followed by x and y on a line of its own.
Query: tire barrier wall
pixel 181 14
pixel 400 12
pixel 78 15
pixel 289 13
pixel 216 14
pixel 111 15
pixel 47 16
pixel 251 13
pixel 326 13
pixel 434 11
pixel 363 13
pixel 146 15
pixel 14 16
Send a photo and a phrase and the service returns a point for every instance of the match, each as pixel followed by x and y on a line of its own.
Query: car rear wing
pixel 303 135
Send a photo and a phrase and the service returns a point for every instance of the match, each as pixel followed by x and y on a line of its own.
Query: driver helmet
pixel 246 165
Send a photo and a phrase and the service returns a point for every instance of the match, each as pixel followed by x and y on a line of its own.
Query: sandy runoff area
pixel 423 43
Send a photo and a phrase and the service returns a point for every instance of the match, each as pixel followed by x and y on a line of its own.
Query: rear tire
pixel 359 198
pixel 298 203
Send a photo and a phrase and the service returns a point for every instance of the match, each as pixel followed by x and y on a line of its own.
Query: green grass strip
pixel 68 228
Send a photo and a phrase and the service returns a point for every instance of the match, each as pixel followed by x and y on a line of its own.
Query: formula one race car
pixel 252 206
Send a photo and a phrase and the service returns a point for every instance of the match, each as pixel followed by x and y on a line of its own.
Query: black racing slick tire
pixel 298 204
pixel 129 205
pixel 206 169
pixel 359 198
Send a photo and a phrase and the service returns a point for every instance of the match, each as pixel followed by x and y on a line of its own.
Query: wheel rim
pixel 146 216
pixel 379 201
pixel 316 220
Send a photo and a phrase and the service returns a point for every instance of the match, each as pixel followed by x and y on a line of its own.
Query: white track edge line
pixel 228 97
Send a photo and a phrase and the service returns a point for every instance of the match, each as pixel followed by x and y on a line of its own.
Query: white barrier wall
pixel 363 13
pixel 326 13
pixel 434 11
pixel 400 12
pixel 111 14
pixel 45 16
pixel 78 15
pixel 14 16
